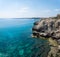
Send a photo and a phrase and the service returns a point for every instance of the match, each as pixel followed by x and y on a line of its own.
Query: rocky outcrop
pixel 49 28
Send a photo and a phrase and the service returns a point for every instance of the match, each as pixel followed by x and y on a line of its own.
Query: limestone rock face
pixel 49 28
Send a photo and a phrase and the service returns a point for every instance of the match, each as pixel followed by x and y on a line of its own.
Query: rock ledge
pixel 49 28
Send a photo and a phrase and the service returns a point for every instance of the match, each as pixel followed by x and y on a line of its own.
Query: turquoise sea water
pixel 16 40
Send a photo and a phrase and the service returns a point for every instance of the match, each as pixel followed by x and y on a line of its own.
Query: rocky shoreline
pixel 49 28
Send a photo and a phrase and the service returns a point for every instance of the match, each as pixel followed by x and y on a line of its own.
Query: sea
pixel 16 40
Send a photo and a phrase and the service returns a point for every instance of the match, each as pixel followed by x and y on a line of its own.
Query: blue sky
pixel 29 8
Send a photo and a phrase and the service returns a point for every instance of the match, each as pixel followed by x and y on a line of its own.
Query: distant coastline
pixel 28 18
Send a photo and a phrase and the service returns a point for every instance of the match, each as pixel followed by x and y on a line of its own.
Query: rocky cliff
pixel 49 28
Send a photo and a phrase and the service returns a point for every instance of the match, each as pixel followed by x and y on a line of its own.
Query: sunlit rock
pixel 49 28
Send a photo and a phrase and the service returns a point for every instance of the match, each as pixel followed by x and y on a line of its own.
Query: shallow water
pixel 16 40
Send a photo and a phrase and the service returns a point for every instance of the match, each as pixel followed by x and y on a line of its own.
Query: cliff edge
pixel 49 28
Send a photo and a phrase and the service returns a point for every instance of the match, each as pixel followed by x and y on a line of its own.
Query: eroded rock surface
pixel 49 29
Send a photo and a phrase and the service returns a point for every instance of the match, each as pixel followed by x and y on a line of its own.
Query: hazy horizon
pixel 29 8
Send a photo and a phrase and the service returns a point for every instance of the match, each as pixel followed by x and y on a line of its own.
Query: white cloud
pixel 26 12
pixel 57 10
pixel 23 10
pixel 13 12
pixel 7 14
pixel 47 11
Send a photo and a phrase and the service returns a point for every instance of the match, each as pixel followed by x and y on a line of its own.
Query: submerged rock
pixel 21 52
